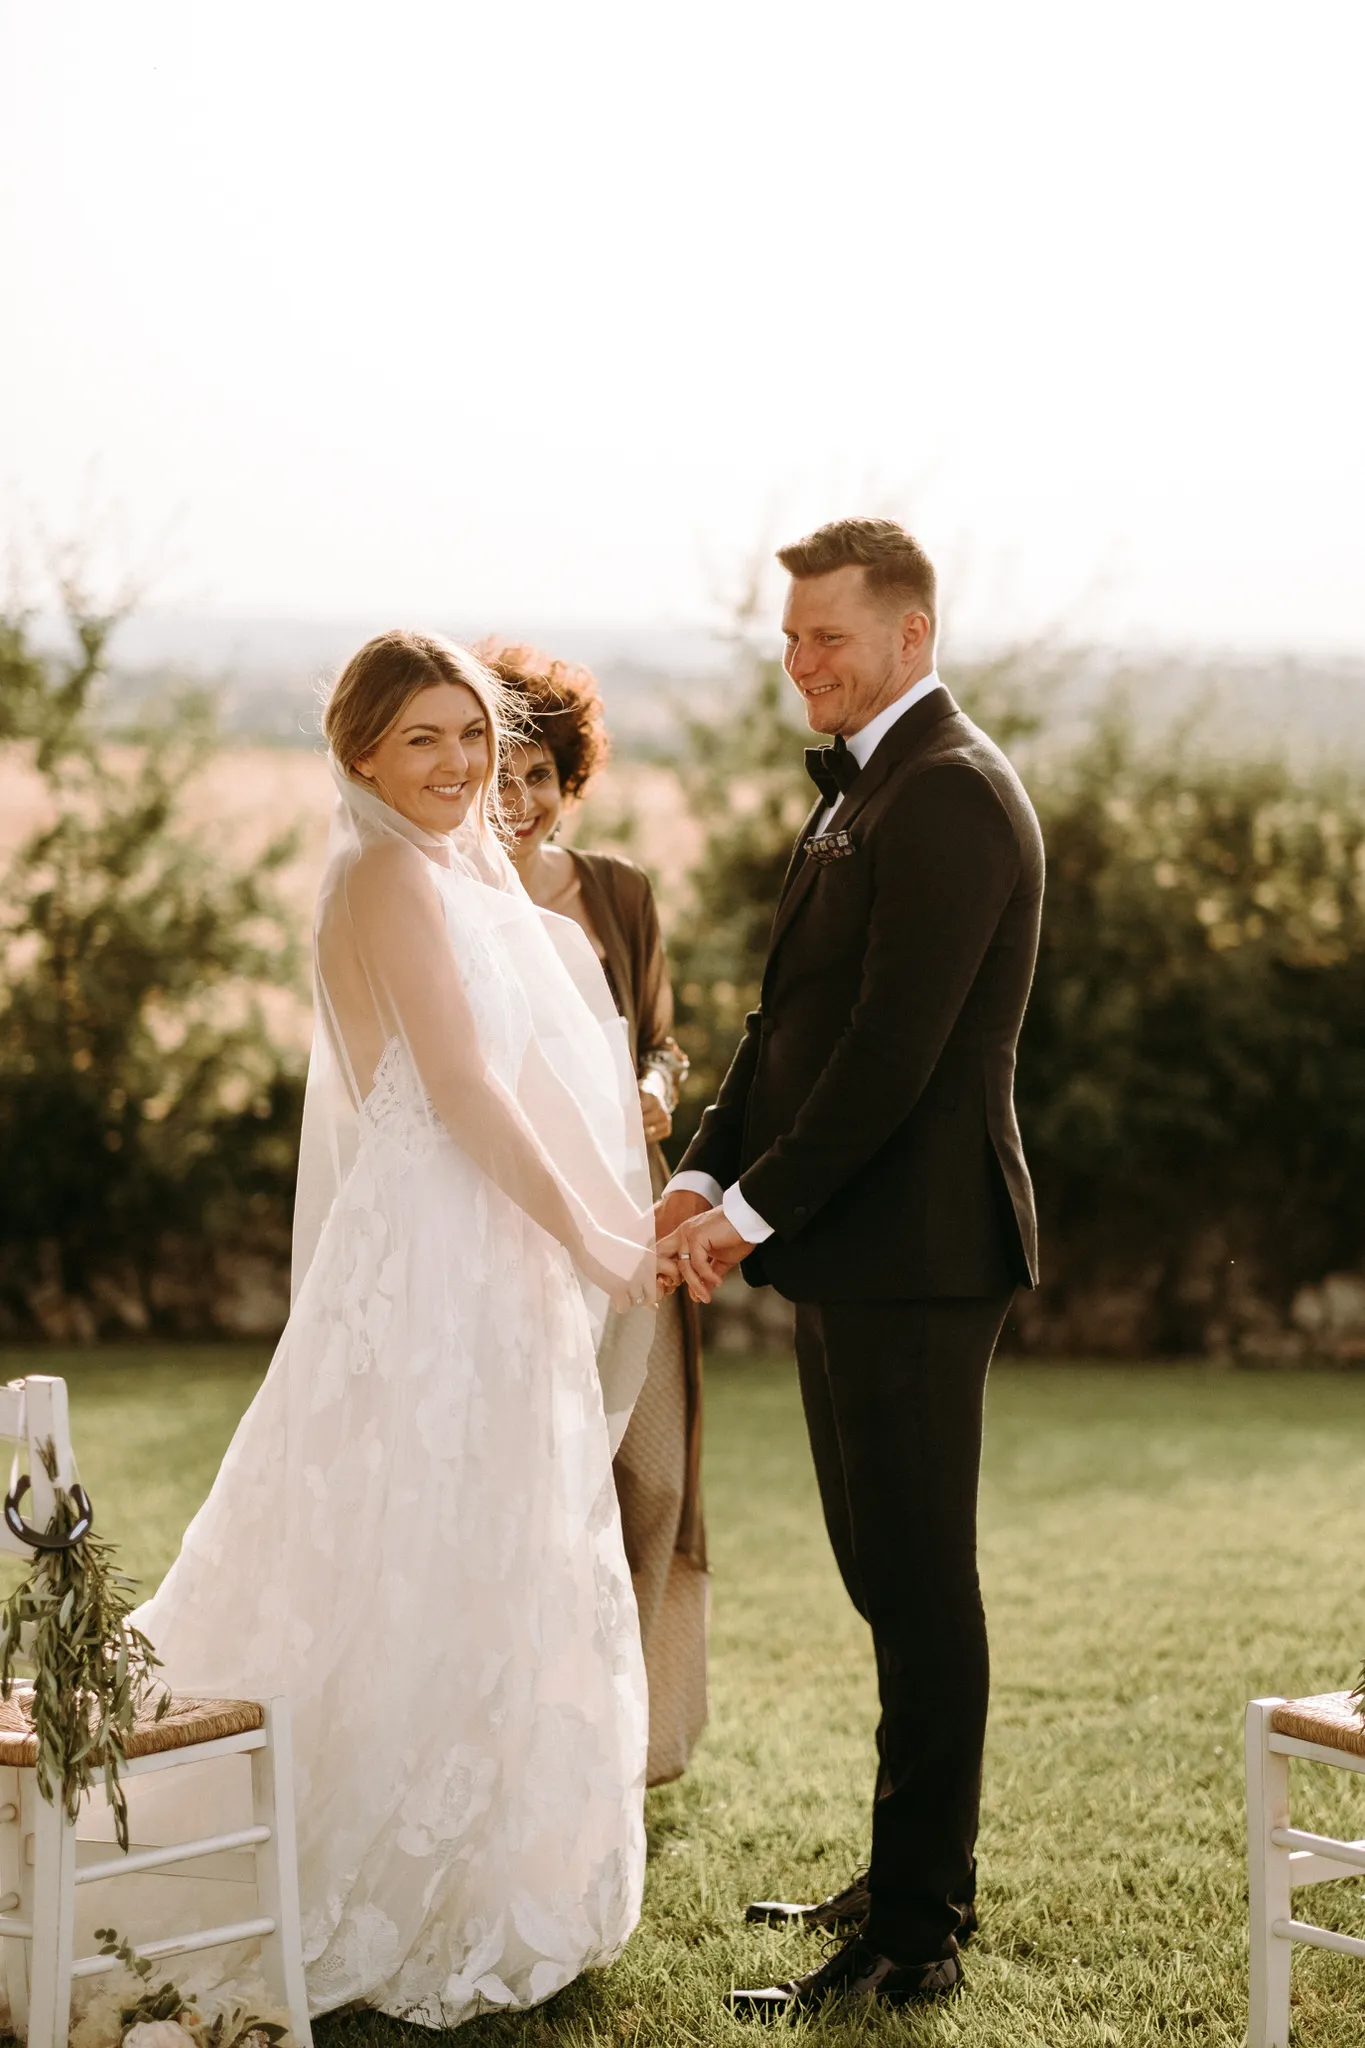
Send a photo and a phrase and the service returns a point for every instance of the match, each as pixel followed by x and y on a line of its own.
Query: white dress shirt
pixel 862 745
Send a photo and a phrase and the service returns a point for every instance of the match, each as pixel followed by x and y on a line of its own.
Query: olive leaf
pixel 231 2028
pixel 92 1669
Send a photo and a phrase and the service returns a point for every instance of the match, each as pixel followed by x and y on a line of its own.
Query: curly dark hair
pixel 562 706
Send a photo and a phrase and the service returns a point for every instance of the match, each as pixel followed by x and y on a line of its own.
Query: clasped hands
pixel 695 1245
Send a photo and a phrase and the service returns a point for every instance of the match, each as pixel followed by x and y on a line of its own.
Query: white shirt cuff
pixel 747 1221
pixel 694 1183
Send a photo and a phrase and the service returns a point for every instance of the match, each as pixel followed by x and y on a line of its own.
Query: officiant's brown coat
pixel 658 1467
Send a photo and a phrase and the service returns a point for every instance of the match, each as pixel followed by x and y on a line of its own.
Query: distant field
pixel 248 795
pixel 251 793
pixel 1159 1546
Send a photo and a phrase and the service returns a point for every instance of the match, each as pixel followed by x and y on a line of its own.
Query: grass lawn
pixel 1159 1546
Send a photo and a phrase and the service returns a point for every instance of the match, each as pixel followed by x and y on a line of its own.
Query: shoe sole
pixel 767 2011
pixel 810 1920
pixel 764 1913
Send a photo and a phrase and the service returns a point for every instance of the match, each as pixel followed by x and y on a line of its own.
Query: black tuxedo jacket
pixel 868 1114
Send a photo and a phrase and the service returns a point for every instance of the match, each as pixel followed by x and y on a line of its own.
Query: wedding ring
pixel 687 1256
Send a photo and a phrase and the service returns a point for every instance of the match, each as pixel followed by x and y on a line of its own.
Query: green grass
pixel 1159 1545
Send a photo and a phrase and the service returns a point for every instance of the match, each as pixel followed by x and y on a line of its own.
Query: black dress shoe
pixel 843 1912
pixel 855 1975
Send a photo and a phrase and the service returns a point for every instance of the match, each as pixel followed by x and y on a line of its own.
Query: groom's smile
pixel 851 651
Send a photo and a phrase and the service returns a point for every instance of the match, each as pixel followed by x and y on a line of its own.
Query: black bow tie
pixel 833 770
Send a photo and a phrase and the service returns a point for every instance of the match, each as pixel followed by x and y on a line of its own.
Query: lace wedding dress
pixel 414 1534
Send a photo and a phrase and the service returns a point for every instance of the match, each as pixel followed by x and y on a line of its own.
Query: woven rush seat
pixel 1328 1719
pixel 187 1723
pixel 46 1853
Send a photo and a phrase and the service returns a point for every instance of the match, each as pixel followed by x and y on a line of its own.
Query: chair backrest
pixel 31 1412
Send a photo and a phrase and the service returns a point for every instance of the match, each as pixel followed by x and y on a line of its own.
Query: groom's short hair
pixel 896 566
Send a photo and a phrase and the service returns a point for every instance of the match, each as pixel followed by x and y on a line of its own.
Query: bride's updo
pixel 380 681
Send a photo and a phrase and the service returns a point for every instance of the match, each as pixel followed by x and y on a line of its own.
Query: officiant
pixel 658 1467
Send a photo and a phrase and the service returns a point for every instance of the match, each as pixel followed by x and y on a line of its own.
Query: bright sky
pixel 512 308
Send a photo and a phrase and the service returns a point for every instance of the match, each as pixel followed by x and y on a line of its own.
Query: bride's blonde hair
pixel 380 681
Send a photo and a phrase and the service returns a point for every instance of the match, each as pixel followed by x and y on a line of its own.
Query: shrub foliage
pixel 1191 1079
pixel 145 1114
pixel 1192 1072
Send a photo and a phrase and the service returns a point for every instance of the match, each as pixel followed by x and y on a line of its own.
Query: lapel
pixel 794 865
pixel 899 744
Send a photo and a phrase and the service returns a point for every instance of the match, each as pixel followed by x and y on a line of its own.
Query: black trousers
pixel 893 1393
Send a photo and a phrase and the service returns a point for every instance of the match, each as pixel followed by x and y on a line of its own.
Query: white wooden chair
pixel 41 1861
pixel 1322 1730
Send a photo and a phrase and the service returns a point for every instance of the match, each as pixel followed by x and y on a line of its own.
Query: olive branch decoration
pixel 92 1669
pixel 235 2027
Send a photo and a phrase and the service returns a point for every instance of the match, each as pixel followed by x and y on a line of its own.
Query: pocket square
pixel 831 846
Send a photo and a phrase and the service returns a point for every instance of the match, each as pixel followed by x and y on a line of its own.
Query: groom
pixel 863 1157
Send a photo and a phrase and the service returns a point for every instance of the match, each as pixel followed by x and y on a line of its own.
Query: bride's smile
pixel 431 764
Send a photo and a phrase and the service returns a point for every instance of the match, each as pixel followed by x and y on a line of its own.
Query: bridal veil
pixel 428 952
pixel 414 1535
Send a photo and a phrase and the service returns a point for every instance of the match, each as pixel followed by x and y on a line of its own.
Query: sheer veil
pixel 444 995
pixel 418 1504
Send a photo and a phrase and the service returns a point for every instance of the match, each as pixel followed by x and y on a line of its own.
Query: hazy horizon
pixel 521 313
pixel 271 676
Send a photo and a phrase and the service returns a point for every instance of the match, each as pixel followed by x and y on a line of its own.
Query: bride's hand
pixel 669 1274
pixel 623 1269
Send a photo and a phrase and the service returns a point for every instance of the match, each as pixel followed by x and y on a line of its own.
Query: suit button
pixel 800 1209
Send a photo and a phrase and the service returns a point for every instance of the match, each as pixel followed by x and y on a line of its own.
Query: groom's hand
pixel 670 1211
pixel 708 1248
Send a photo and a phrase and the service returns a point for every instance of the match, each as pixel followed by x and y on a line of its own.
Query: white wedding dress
pixel 414 1535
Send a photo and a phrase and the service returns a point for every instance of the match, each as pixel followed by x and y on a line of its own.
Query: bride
pixel 414 1535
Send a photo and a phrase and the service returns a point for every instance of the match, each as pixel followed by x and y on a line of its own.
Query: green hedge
pixel 1191 1079
pixel 147 1122
pixel 1192 1071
